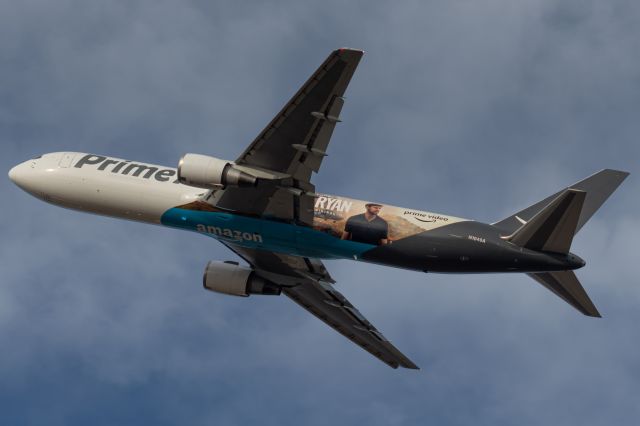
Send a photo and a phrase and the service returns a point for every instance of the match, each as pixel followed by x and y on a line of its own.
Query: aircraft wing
pixel 293 145
pixel 307 282
pixel 296 140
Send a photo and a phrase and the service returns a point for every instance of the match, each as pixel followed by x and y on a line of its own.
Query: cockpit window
pixel 35 158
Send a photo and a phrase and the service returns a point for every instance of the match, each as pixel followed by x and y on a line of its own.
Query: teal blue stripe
pixel 264 234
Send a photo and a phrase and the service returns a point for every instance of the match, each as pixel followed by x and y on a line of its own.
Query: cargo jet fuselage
pixel 417 240
pixel 264 207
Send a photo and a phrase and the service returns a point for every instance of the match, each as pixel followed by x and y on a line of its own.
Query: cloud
pixel 474 109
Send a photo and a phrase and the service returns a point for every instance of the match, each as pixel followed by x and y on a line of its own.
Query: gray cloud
pixel 474 109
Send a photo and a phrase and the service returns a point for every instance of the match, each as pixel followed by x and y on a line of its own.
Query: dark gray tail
pixel 550 224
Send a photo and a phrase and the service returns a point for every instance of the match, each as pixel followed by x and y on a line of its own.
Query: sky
pixel 475 109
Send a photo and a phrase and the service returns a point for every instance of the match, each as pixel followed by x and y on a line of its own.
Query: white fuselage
pixel 56 179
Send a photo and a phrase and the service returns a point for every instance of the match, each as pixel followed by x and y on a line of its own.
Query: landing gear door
pixel 66 160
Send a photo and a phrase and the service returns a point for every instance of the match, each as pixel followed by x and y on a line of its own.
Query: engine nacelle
pixel 231 278
pixel 207 172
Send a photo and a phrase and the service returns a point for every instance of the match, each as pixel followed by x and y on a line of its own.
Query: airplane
pixel 264 208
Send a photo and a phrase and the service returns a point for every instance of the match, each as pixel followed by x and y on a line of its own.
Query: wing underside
pixel 293 145
pixel 326 303
pixel 307 283
pixel 296 140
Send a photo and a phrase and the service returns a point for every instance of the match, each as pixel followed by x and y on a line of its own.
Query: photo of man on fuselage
pixel 368 227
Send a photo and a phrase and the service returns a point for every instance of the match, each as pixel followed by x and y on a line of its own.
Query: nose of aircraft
pixel 16 174
pixel 33 175
pixel 22 175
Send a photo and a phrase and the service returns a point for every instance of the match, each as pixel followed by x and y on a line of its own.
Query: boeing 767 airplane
pixel 264 207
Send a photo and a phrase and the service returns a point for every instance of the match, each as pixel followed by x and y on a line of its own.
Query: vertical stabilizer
pixel 553 228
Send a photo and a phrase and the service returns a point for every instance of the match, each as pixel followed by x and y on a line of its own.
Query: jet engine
pixel 207 172
pixel 231 278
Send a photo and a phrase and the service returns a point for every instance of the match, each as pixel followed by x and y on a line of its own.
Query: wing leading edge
pixel 306 282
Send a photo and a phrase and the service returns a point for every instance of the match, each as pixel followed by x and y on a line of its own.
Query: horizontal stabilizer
pixel 565 285
pixel 598 188
pixel 552 229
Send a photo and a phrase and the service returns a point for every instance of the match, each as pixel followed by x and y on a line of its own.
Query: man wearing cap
pixel 368 227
